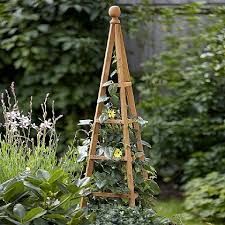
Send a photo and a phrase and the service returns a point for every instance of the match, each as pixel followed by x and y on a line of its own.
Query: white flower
pixel 33 125
pixel 13 115
pixel 13 126
pixel 46 124
pixel 24 121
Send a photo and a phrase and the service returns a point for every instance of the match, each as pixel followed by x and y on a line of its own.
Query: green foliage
pixel 181 93
pixel 110 174
pixel 205 197
pixel 42 199
pixel 173 209
pixel 112 214
pixel 54 46
pixel 202 163
pixel 24 144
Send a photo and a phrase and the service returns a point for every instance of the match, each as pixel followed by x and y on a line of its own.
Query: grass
pixel 173 209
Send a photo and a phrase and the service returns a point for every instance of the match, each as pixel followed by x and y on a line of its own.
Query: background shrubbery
pixel 58 47
pixel 54 46
pixel 182 96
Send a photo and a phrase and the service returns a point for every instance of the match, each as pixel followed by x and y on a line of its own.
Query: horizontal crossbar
pixel 97 157
pixel 110 121
pixel 125 84
pixel 112 195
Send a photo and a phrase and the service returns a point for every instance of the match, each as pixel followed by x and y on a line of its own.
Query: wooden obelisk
pixel 115 39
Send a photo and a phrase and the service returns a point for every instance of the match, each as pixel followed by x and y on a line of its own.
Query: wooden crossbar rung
pixel 112 195
pixel 111 121
pixel 125 84
pixel 98 157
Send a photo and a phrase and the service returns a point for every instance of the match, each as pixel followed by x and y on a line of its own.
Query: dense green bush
pixel 42 199
pixel 202 163
pixel 181 95
pixel 54 46
pixel 113 214
pixel 205 196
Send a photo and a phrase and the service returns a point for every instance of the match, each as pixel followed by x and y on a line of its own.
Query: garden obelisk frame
pixel 115 39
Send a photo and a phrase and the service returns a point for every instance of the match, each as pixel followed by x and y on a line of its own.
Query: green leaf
pixel 141 121
pixel 85 122
pixel 108 152
pixel 43 174
pixel 78 218
pixel 103 117
pixel 145 143
pixel 114 72
pixel 56 217
pixel 13 191
pixel 13 221
pixel 19 210
pixel 43 28
pixel 150 169
pixel 106 84
pixel 83 182
pixel 83 152
pixel 153 187
pixel 100 151
pixel 35 189
pixel 100 183
pixel 103 98
pixel 113 89
pixel 34 214
pixel 40 221
pixel 115 100
pixel 57 174
pixel 73 188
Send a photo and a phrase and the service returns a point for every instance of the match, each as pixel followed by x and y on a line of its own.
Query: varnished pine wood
pixel 102 91
pixel 98 157
pixel 126 100
pixel 125 84
pixel 117 121
pixel 123 108
pixel 112 195
pixel 131 102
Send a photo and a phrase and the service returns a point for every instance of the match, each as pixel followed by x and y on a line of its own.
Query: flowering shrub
pixel 26 144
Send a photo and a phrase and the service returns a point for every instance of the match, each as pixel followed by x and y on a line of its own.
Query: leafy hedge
pixel 42 198
pixel 54 46
pixel 181 95
pixel 205 196
pixel 113 214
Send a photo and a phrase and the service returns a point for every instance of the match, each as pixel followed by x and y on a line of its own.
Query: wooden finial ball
pixel 114 11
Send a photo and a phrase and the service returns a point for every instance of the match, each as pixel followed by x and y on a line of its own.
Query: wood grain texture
pixel 126 102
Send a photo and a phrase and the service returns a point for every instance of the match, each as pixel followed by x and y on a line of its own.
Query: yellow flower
pixel 117 153
pixel 111 113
